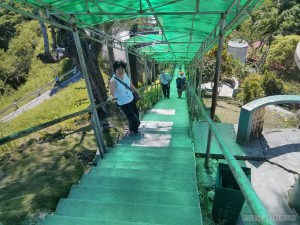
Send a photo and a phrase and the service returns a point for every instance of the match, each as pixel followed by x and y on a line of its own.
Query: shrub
pixel 271 84
pixel 251 88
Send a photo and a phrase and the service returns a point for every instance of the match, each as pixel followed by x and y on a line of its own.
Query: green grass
pixel 37 175
pixel 39 169
pixel 206 180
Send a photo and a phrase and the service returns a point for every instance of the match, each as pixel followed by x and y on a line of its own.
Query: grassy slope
pixel 39 169
pixel 44 165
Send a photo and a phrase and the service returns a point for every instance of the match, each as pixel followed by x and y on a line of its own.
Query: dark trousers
pixel 166 89
pixel 132 114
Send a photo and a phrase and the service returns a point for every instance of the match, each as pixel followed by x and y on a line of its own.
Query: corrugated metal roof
pixel 184 25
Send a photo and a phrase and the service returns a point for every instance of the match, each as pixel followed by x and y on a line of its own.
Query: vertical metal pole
pixel 218 67
pixel 216 82
pixel 200 71
pixel 95 118
pixel 127 60
pixel 153 70
pixel 193 100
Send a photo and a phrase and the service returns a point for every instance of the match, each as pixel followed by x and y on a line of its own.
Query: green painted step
pixel 162 125
pixel 155 136
pixel 137 183
pixel 163 165
pixel 68 220
pixel 179 142
pixel 169 130
pixel 146 174
pixel 171 153
pixel 179 119
pixel 158 137
pixel 168 150
pixel 152 158
pixel 137 196
pixel 130 212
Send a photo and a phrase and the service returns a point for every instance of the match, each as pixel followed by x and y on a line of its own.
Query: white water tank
pixel 297 55
pixel 238 49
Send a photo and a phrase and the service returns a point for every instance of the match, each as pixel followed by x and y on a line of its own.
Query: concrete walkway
pixel 273 174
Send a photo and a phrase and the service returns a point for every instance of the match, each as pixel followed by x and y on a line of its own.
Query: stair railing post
pixel 128 62
pixel 216 82
pixel 95 117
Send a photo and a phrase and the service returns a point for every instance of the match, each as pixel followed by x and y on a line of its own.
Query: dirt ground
pixel 228 111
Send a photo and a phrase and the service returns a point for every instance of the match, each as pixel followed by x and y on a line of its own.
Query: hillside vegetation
pixel 37 170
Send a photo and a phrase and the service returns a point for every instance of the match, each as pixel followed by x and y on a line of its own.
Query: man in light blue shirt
pixel 165 80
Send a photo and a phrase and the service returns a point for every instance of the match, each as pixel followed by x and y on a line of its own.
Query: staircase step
pixel 68 220
pixel 145 174
pixel 161 164
pixel 166 130
pixel 137 196
pixel 164 150
pixel 130 212
pixel 137 183
pixel 154 158
pixel 154 117
pixel 155 136
pixel 158 143
pixel 184 154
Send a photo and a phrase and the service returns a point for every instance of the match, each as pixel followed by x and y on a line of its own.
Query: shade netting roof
pixel 182 26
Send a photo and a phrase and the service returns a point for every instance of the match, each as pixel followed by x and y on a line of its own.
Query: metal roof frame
pixel 191 14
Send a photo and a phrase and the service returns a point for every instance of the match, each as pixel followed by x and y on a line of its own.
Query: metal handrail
pixel 31 130
pixel 37 92
pixel 249 193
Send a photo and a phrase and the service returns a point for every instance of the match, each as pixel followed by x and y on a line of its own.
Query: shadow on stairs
pixel 149 178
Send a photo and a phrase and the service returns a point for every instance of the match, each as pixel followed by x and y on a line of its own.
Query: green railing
pixel 33 95
pixel 150 95
pixel 249 193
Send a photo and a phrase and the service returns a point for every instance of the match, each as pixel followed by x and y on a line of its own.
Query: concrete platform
pixel 253 151
pixel 272 177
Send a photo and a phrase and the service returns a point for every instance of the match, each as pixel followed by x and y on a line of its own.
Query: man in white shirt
pixel 165 80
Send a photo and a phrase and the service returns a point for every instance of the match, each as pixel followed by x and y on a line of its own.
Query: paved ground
pixel 273 179
pixel 42 98
pixel 274 174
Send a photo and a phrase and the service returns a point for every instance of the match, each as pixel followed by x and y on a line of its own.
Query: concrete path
pixel 40 99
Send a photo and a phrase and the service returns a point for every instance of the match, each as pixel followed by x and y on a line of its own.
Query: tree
pixel 16 62
pixel 91 51
pixel 8 22
pixel 273 18
pixel 281 55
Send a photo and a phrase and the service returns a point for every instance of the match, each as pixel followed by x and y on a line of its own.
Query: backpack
pixel 179 82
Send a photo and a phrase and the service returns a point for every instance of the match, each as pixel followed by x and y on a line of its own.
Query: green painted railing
pixel 144 104
pixel 249 193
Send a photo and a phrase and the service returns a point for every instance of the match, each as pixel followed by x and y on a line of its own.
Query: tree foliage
pixel 272 84
pixel 251 88
pixel 8 22
pixel 281 55
pixel 16 62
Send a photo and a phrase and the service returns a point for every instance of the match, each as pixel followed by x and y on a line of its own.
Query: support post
pixel 95 118
pixel 216 82
pixel 200 71
pixel 127 60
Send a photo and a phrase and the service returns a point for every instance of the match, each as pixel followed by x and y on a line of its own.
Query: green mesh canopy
pixel 184 28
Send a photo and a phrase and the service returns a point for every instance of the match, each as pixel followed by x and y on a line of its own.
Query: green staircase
pixel 149 178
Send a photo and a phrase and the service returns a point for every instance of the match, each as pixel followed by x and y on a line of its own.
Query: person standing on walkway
pixel 165 80
pixel 124 96
pixel 181 83
pixel 57 82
